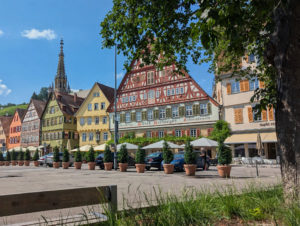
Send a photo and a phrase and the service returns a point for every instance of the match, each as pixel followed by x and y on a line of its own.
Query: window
pixel 254 84
pixel 83 137
pixel 89 107
pixel 177 91
pixel 138 116
pixel 103 105
pixel 173 92
pixel 96 106
pixel 82 121
pixel 96 94
pixel 189 110
pixel 151 94
pixel 148 134
pixel 127 117
pixel 89 121
pixel 178 133
pixel 104 120
pixel 105 136
pixel 150 115
pixel 235 87
pixel 145 96
pixel 97 136
pixel 118 117
pixel 91 136
pixel 161 134
pixel 251 58
pixel 162 73
pixel 132 98
pixel 157 94
pixel 162 113
pixel 203 109
pixel 193 132
pixel 181 90
pixel 150 78
pixel 256 115
pixel 175 112
pixel 168 92
pixel 97 120
pixel 52 110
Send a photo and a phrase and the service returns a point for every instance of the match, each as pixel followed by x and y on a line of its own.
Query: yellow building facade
pixel 92 117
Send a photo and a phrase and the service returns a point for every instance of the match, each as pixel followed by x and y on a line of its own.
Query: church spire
pixel 61 78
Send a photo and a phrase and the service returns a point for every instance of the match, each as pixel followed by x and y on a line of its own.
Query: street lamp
pixel 115 113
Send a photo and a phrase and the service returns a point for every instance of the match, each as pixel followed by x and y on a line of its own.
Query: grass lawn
pixel 11 110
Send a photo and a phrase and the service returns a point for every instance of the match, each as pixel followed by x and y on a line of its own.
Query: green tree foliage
pixel 167 153
pixel 27 155
pixel 43 95
pixel 140 156
pixel 36 155
pixel 21 155
pixel 123 154
pixel 8 156
pixel 13 155
pixel 107 154
pixel 1 157
pixel 66 155
pixel 91 155
pixel 189 154
pixel 56 154
pixel 224 154
pixel 221 131
pixel 78 156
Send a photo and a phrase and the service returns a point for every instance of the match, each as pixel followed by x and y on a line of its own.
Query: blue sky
pixel 30 32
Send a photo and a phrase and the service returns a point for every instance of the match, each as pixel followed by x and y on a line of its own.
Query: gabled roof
pixel 21 113
pixel 6 120
pixel 39 106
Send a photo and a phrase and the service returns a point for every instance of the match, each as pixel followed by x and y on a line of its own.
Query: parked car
pixel 49 159
pixel 42 159
pixel 100 162
pixel 154 160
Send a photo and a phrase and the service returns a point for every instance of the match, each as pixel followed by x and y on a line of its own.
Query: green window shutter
pixel 122 117
pixel 156 114
pixel 168 112
pixel 133 118
pixel 209 108
pixel 144 115
pixel 196 109
pixel 181 111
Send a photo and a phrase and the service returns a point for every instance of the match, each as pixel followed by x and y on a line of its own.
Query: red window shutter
pixel 198 132
pixel 173 132
pixel 182 132
pixel 156 133
pixel 188 132
pixel 152 134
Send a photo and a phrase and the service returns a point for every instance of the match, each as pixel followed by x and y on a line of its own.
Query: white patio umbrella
pixel 15 148
pixel 128 146
pixel 31 148
pixel 204 142
pixel 259 145
pixel 84 148
pixel 160 144
pixel 100 147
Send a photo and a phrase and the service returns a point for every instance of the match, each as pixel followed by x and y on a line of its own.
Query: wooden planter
pixel 140 168
pixel 56 165
pixel 27 163
pixel 21 163
pixel 7 163
pixel 190 169
pixel 36 163
pixel 123 167
pixel 224 170
pixel 78 165
pixel 108 166
pixel 14 162
pixel 168 168
pixel 65 165
pixel 91 165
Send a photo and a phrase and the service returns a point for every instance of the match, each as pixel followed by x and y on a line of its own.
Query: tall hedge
pixel 56 154
pixel 167 153
pixel 107 154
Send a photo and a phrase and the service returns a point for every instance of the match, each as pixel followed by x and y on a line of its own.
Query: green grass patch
pixel 11 110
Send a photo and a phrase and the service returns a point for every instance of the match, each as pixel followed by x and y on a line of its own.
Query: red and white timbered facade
pixel 155 103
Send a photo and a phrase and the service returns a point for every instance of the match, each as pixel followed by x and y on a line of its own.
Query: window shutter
pixel 168 112
pixel 236 120
pixel 144 116
pixel 246 85
pixel 156 133
pixel 188 132
pixel 264 115
pixel 181 111
pixel 271 114
pixel 156 114
pixel 209 108
pixel 133 117
pixel 173 132
pixel 238 115
pixel 242 86
pixel 250 114
pixel 247 58
pixel 228 88
pixel 196 109
pixel 261 84
pixel 198 132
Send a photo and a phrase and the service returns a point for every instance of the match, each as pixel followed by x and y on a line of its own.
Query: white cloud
pixel 120 75
pixel 1 32
pixel 3 89
pixel 36 34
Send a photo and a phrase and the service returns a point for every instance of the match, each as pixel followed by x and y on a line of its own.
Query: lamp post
pixel 115 113
pixel 45 146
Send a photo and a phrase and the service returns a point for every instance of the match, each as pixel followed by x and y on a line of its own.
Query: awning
pixel 247 138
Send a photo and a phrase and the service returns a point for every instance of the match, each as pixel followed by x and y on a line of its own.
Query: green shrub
pixel 27 155
pixel 1 157
pixel 224 154
pixel 78 156
pixel 107 154
pixel 13 155
pixel 140 156
pixel 36 155
pixel 221 131
pixel 56 154
pixel 8 156
pixel 189 154
pixel 66 156
pixel 21 155
pixel 167 153
pixel 123 154
pixel 91 155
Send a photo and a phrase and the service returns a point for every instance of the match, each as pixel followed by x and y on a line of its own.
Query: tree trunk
pixel 286 59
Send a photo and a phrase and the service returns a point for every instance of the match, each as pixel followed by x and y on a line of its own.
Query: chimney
pixel 75 98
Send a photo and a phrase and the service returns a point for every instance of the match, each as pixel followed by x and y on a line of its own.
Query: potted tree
pixel 35 158
pixel 107 159
pixel 27 157
pixel 168 158
pixel 1 159
pixel 91 159
pixel 66 159
pixel 56 158
pixel 189 159
pixel 8 159
pixel 78 159
pixel 21 158
pixel 224 160
pixel 13 157
pixel 140 160
pixel 123 158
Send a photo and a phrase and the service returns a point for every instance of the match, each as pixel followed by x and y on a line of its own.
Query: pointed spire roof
pixel 61 64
